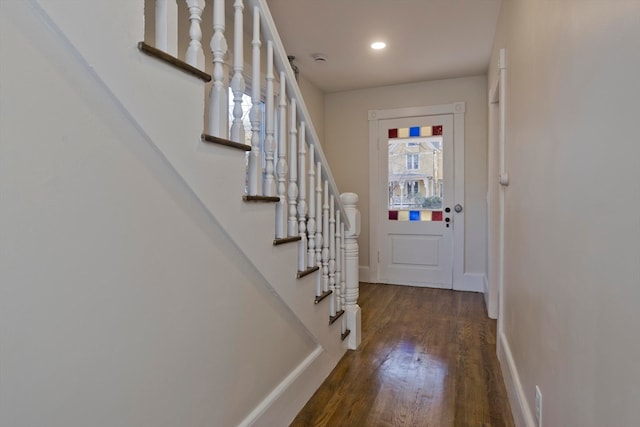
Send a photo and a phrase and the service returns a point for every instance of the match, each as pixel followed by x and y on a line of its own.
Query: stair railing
pixel 294 167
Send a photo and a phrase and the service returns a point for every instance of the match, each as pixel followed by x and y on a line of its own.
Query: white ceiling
pixel 426 39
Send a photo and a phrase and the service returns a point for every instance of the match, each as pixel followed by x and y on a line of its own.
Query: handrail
pixel 268 27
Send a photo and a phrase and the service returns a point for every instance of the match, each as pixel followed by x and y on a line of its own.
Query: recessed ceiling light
pixel 378 45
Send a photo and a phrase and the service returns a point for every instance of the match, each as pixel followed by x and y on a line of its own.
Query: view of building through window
pixel 415 173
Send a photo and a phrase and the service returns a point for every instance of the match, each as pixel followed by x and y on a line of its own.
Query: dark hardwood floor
pixel 427 359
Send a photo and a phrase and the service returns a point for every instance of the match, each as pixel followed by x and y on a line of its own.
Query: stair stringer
pixel 167 106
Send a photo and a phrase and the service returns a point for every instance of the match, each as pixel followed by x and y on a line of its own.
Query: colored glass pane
pixel 403 215
pixel 436 216
pixel 414 215
pixel 425 215
pixel 415 131
pixel 393 215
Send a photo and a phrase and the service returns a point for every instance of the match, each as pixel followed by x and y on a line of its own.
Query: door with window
pixel 416 189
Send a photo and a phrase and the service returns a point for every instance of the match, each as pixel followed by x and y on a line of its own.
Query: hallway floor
pixel 427 359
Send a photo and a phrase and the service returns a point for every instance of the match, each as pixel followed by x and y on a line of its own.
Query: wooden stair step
pixel 173 61
pixel 225 142
pixel 345 334
pixel 284 240
pixel 308 271
pixel 260 198
pixel 322 296
pixel 332 319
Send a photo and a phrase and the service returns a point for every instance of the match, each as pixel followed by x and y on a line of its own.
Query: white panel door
pixel 416 189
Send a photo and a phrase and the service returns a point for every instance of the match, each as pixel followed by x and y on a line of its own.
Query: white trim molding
pixel 471 282
pixel 364 273
pixel 522 416
pixel 285 401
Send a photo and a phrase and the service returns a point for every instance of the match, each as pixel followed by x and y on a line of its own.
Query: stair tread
pixel 260 198
pixel 322 296
pixel 332 319
pixel 308 271
pixel 173 61
pixel 284 240
pixel 225 142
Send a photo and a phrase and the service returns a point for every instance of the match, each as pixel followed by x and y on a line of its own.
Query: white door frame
pixel 457 109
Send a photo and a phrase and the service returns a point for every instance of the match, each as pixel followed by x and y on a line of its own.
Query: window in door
pixel 415 174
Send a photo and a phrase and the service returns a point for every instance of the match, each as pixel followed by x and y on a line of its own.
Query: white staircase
pixel 292 232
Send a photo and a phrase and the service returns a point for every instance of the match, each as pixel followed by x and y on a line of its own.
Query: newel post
pixel 351 269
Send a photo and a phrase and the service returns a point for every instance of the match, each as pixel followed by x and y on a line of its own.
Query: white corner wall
pixel 122 300
pixel 572 277
pixel 347 149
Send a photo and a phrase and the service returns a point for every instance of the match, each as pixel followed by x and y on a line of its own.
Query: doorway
pixel 417 195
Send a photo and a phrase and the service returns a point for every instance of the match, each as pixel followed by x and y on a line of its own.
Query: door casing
pixel 457 109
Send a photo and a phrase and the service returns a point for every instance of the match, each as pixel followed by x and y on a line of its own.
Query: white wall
pixel 347 140
pixel 314 100
pixel 122 301
pixel 572 277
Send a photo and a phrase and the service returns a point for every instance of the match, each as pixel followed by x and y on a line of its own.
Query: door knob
pixel 458 208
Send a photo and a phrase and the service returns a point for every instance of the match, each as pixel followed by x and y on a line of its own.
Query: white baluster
pixel 302 198
pixel 255 115
pixel 338 258
pixel 282 167
pixel 167 26
pixel 325 238
pixel 269 142
pixel 311 223
pixel 319 214
pixel 237 81
pixel 351 269
pixel 195 53
pixel 318 261
pixel 293 170
pixel 218 103
pixel 332 252
pixel 343 284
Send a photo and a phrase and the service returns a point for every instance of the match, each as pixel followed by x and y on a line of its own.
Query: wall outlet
pixel 538 406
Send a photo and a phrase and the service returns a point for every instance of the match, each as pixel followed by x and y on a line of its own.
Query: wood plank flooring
pixel 427 359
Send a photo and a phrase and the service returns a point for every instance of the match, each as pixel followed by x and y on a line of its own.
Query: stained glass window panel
pixel 415 173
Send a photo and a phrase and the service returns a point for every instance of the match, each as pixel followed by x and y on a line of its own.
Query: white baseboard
pixel 364 273
pixel 520 410
pixel 471 282
pixel 282 405
pixel 485 293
